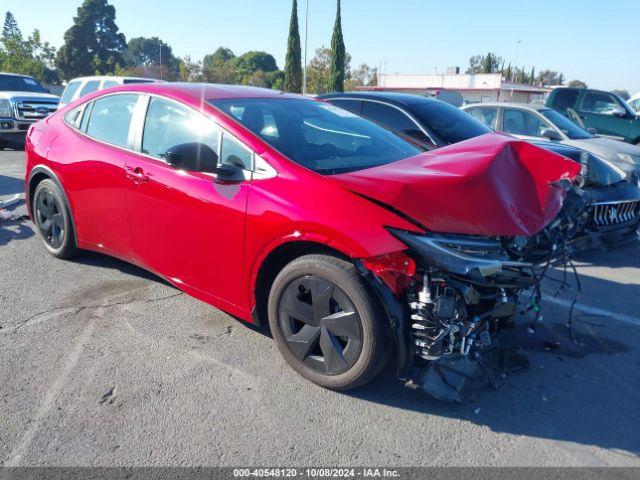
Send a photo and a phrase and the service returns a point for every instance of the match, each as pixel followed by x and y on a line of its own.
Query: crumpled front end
pixel 492 185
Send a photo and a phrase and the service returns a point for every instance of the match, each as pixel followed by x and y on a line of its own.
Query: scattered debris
pixel 109 396
pixel 551 347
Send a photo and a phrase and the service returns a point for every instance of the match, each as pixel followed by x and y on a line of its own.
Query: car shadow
pixel 10 185
pixel 12 230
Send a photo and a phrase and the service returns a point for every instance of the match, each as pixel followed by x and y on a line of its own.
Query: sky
pixel 590 40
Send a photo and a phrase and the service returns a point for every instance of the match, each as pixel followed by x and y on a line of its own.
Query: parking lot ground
pixel 103 364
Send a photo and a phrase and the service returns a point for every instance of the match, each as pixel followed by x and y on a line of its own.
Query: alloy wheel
pixel 320 324
pixel 50 219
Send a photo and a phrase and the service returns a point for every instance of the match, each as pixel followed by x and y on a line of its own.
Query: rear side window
pixel 109 84
pixel 564 99
pixel 488 116
pixel 69 92
pixel 74 117
pixel 169 124
pixel 519 122
pixel 90 87
pixel 110 119
pixel 393 119
pixel 354 106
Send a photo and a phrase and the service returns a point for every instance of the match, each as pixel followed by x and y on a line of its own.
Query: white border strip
pixel 594 310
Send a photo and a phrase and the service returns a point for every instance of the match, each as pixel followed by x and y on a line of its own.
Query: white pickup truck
pixel 23 101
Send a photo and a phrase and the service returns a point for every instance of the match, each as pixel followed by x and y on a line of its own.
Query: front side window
pixel 519 122
pixel 487 115
pixel 599 102
pixel 446 123
pixel 569 128
pixel 109 83
pixel 393 119
pixel 110 119
pixel 69 92
pixel 318 135
pixel 90 87
pixel 169 124
pixel 234 153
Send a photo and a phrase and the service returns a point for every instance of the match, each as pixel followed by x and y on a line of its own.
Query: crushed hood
pixel 493 185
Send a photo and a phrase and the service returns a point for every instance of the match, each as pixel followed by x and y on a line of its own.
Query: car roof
pixel 396 98
pixel 526 106
pixel 203 91
pixel 16 75
pixel 109 77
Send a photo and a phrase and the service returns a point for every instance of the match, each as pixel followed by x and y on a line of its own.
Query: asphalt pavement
pixel 104 364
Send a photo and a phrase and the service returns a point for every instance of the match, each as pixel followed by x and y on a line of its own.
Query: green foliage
pixel 93 44
pixel 550 77
pixel 489 63
pixel 142 59
pixel 293 60
pixel 578 84
pixel 319 71
pixel 624 94
pixel 221 56
pixel 337 68
pixel 30 56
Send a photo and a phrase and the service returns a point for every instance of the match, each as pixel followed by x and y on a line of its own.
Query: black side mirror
pixel 550 134
pixel 200 157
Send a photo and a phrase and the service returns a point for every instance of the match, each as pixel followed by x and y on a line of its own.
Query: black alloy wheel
pixel 327 324
pixel 49 219
pixel 53 220
pixel 321 325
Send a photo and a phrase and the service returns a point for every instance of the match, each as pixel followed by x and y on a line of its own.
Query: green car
pixel 602 113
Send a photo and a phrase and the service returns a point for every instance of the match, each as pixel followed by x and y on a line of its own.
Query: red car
pixel 276 208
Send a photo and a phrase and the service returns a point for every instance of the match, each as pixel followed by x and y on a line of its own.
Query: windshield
pixel 446 123
pixel 570 129
pixel 14 83
pixel 317 135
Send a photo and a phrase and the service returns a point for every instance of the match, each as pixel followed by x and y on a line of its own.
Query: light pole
pixel 306 39
pixel 515 67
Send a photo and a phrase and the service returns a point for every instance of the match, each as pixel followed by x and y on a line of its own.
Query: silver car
pixel 538 122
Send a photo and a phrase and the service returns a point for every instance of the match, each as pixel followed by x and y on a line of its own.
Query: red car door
pixel 185 225
pixel 93 171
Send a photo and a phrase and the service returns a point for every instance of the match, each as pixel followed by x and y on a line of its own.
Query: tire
pixel 3 145
pixel 52 218
pixel 326 323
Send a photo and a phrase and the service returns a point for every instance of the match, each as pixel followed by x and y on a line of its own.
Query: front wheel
pixel 326 324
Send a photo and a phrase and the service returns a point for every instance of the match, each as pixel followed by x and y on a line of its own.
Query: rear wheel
pixel 53 220
pixel 326 324
pixel 3 145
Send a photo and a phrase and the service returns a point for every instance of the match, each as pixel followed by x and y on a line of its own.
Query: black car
pixel 605 209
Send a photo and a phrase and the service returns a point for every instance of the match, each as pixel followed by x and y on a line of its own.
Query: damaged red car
pixel 349 242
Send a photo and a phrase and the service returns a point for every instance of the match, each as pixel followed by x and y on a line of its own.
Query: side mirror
pixel 550 134
pixel 199 157
pixel 618 111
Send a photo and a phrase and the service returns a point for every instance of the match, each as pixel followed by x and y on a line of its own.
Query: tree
pixel 532 76
pixel 338 56
pixel 221 56
pixel 319 71
pixel 561 79
pixel 577 84
pixel 550 77
pixel 93 45
pixel 489 63
pixel 190 71
pixel 362 76
pixel 624 94
pixel 475 64
pixel 142 58
pixel 30 56
pixel 249 63
pixel 293 60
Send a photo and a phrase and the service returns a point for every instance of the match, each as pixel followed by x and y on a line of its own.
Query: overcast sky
pixel 590 40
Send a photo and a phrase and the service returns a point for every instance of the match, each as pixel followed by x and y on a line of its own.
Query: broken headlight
pixel 477 258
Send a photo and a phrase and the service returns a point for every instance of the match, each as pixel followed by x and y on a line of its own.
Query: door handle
pixel 136 174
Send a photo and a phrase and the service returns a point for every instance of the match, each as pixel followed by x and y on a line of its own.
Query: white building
pixel 491 87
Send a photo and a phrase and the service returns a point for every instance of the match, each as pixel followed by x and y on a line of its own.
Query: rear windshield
pixel 12 83
pixel 446 123
pixel 317 135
